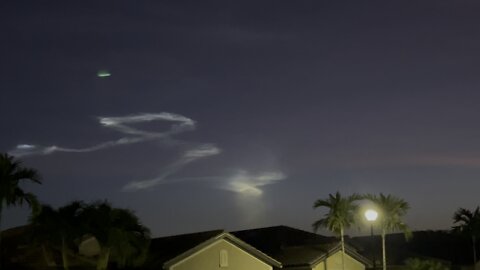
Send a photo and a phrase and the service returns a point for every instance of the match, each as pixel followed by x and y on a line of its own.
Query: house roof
pixel 294 247
pixel 276 237
pixel 167 251
pixel 166 248
pixel 301 255
pixel 15 233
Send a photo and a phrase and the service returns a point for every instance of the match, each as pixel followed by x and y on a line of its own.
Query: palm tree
pixel 44 230
pixel 469 224
pixel 59 228
pixel 122 238
pixel 391 209
pixel 340 216
pixel 11 174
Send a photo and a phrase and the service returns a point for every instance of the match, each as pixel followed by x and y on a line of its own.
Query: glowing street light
pixel 372 215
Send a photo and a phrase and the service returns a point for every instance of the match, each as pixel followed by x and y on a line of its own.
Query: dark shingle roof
pixel 271 238
pixel 288 245
pixel 166 248
pixel 166 251
pixel 301 255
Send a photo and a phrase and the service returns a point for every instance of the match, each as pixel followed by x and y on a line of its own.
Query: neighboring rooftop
pixel 290 246
pixel 278 237
pixel 164 249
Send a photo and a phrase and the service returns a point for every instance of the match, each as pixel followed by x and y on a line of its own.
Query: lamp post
pixel 371 216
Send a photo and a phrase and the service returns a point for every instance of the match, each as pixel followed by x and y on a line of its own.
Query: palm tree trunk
pixel 103 259
pixel 474 243
pixel 64 254
pixel 343 248
pixel 384 256
pixel 46 256
pixel 1 251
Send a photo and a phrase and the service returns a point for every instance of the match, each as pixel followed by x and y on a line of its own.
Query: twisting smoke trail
pixel 189 156
pixel 133 135
pixel 241 182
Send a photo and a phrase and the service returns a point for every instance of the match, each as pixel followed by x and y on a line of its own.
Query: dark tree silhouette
pixel 122 238
pixel 340 216
pixel 469 224
pixel 59 228
pixel 391 209
pixel 12 173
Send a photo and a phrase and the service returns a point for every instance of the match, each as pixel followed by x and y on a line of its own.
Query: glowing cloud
pixel 248 184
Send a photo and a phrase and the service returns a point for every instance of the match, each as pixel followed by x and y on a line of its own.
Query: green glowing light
pixel 103 73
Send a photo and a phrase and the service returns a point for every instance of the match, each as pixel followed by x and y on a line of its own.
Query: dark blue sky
pixel 271 105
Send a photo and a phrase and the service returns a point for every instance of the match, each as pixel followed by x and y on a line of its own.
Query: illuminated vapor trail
pixel 131 136
pixel 181 124
pixel 204 150
pixel 242 182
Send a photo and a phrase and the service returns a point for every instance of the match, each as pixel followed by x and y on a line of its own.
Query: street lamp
pixel 371 216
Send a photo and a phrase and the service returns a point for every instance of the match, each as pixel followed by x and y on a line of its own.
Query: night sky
pixel 240 114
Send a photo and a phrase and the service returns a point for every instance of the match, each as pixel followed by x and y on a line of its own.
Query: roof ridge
pixel 227 237
pixel 219 231
pixel 276 226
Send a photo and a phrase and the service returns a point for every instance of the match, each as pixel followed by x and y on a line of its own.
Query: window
pixel 223 258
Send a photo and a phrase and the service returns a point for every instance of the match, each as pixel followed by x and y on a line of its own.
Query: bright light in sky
pixel 103 73
pixel 371 215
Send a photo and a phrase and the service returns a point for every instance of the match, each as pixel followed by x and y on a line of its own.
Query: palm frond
pixel 341 212
pixel 392 210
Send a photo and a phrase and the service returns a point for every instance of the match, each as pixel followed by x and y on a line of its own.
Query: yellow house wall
pixel 334 262
pixel 209 259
